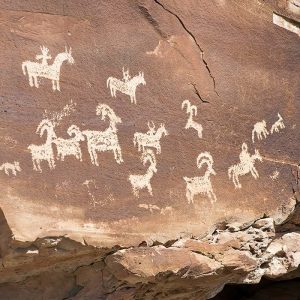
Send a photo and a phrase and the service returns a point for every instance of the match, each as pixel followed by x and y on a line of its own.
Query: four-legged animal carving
pixel 140 182
pixel 260 129
pixel 71 146
pixel 126 86
pixel 201 184
pixel 100 141
pixel 52 72
pixel 12 168
pixel 44 151
pixel 191 110
pixel 245 166
pixel 151 138
pixel 278 124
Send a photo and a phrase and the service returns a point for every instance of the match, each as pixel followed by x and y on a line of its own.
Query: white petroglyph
pixel 150 139
pixel 127 85
pixel 150 207
pixel 168 210
pixel 11 168
pixel 90 184
pixel 57 117
pixel 139 182
pixel 35 70
pixel 157 51
pixel 44 151
pixel 191 110
pixel 245 166
pixel 107 140
pixel 201 184
pixel 274 175
pixel 260 130
pixel 278 124
pixel 71 146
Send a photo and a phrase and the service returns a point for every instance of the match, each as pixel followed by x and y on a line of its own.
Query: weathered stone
pixel 82 223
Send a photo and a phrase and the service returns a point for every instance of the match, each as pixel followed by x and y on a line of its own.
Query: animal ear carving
pixel 192 111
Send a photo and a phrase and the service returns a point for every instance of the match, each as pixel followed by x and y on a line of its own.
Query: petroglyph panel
pixel 156 129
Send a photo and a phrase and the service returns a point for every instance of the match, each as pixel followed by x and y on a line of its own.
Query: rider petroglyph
pixel 36 70
pixel 245 166
pixel 127 85
pixel 150 139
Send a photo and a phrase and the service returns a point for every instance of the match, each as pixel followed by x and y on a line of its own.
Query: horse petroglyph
pixel 44 151
pixel 71 146
pixel 245 166
pixel 107 140
pixel 260 130
pixel 11 168
pixel 150 139
pixel 191 110
pixel 127 85
pixel 35 70
pixel 202 184
pixel 140 182
pixel 278 124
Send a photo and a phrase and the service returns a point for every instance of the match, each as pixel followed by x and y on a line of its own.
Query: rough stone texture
pixel 77 231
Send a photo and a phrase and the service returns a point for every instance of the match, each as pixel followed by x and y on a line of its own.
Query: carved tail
pixel 24 67
pixel 108 81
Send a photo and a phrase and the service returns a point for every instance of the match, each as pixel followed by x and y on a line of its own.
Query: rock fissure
pixel 195 41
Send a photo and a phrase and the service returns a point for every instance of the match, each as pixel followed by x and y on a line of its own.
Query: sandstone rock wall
pixel 156 140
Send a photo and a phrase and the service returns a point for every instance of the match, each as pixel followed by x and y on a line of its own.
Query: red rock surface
pixel 227 58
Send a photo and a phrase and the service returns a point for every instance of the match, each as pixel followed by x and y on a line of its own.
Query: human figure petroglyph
pixel 278 124
pixel 44 56
pixel 191 110
pixel 11 168
pixel 43 152
pixel 150 139
pixel 107 140
pixel 245 166
pixel 260 130
pixel 126 76
pixel 43 70
pixel 71 146
pixel 126 86
pixel 139 182
pixel 201 184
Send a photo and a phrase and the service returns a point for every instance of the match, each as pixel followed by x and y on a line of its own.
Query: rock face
pixel 149 149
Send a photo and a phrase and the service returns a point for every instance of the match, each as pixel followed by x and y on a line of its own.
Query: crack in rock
pixel 195 41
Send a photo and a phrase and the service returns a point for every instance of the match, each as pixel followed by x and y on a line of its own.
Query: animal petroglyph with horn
pixel 201 184
pixel 191 110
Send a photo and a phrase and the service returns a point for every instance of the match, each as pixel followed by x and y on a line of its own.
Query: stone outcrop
pixel 148 148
